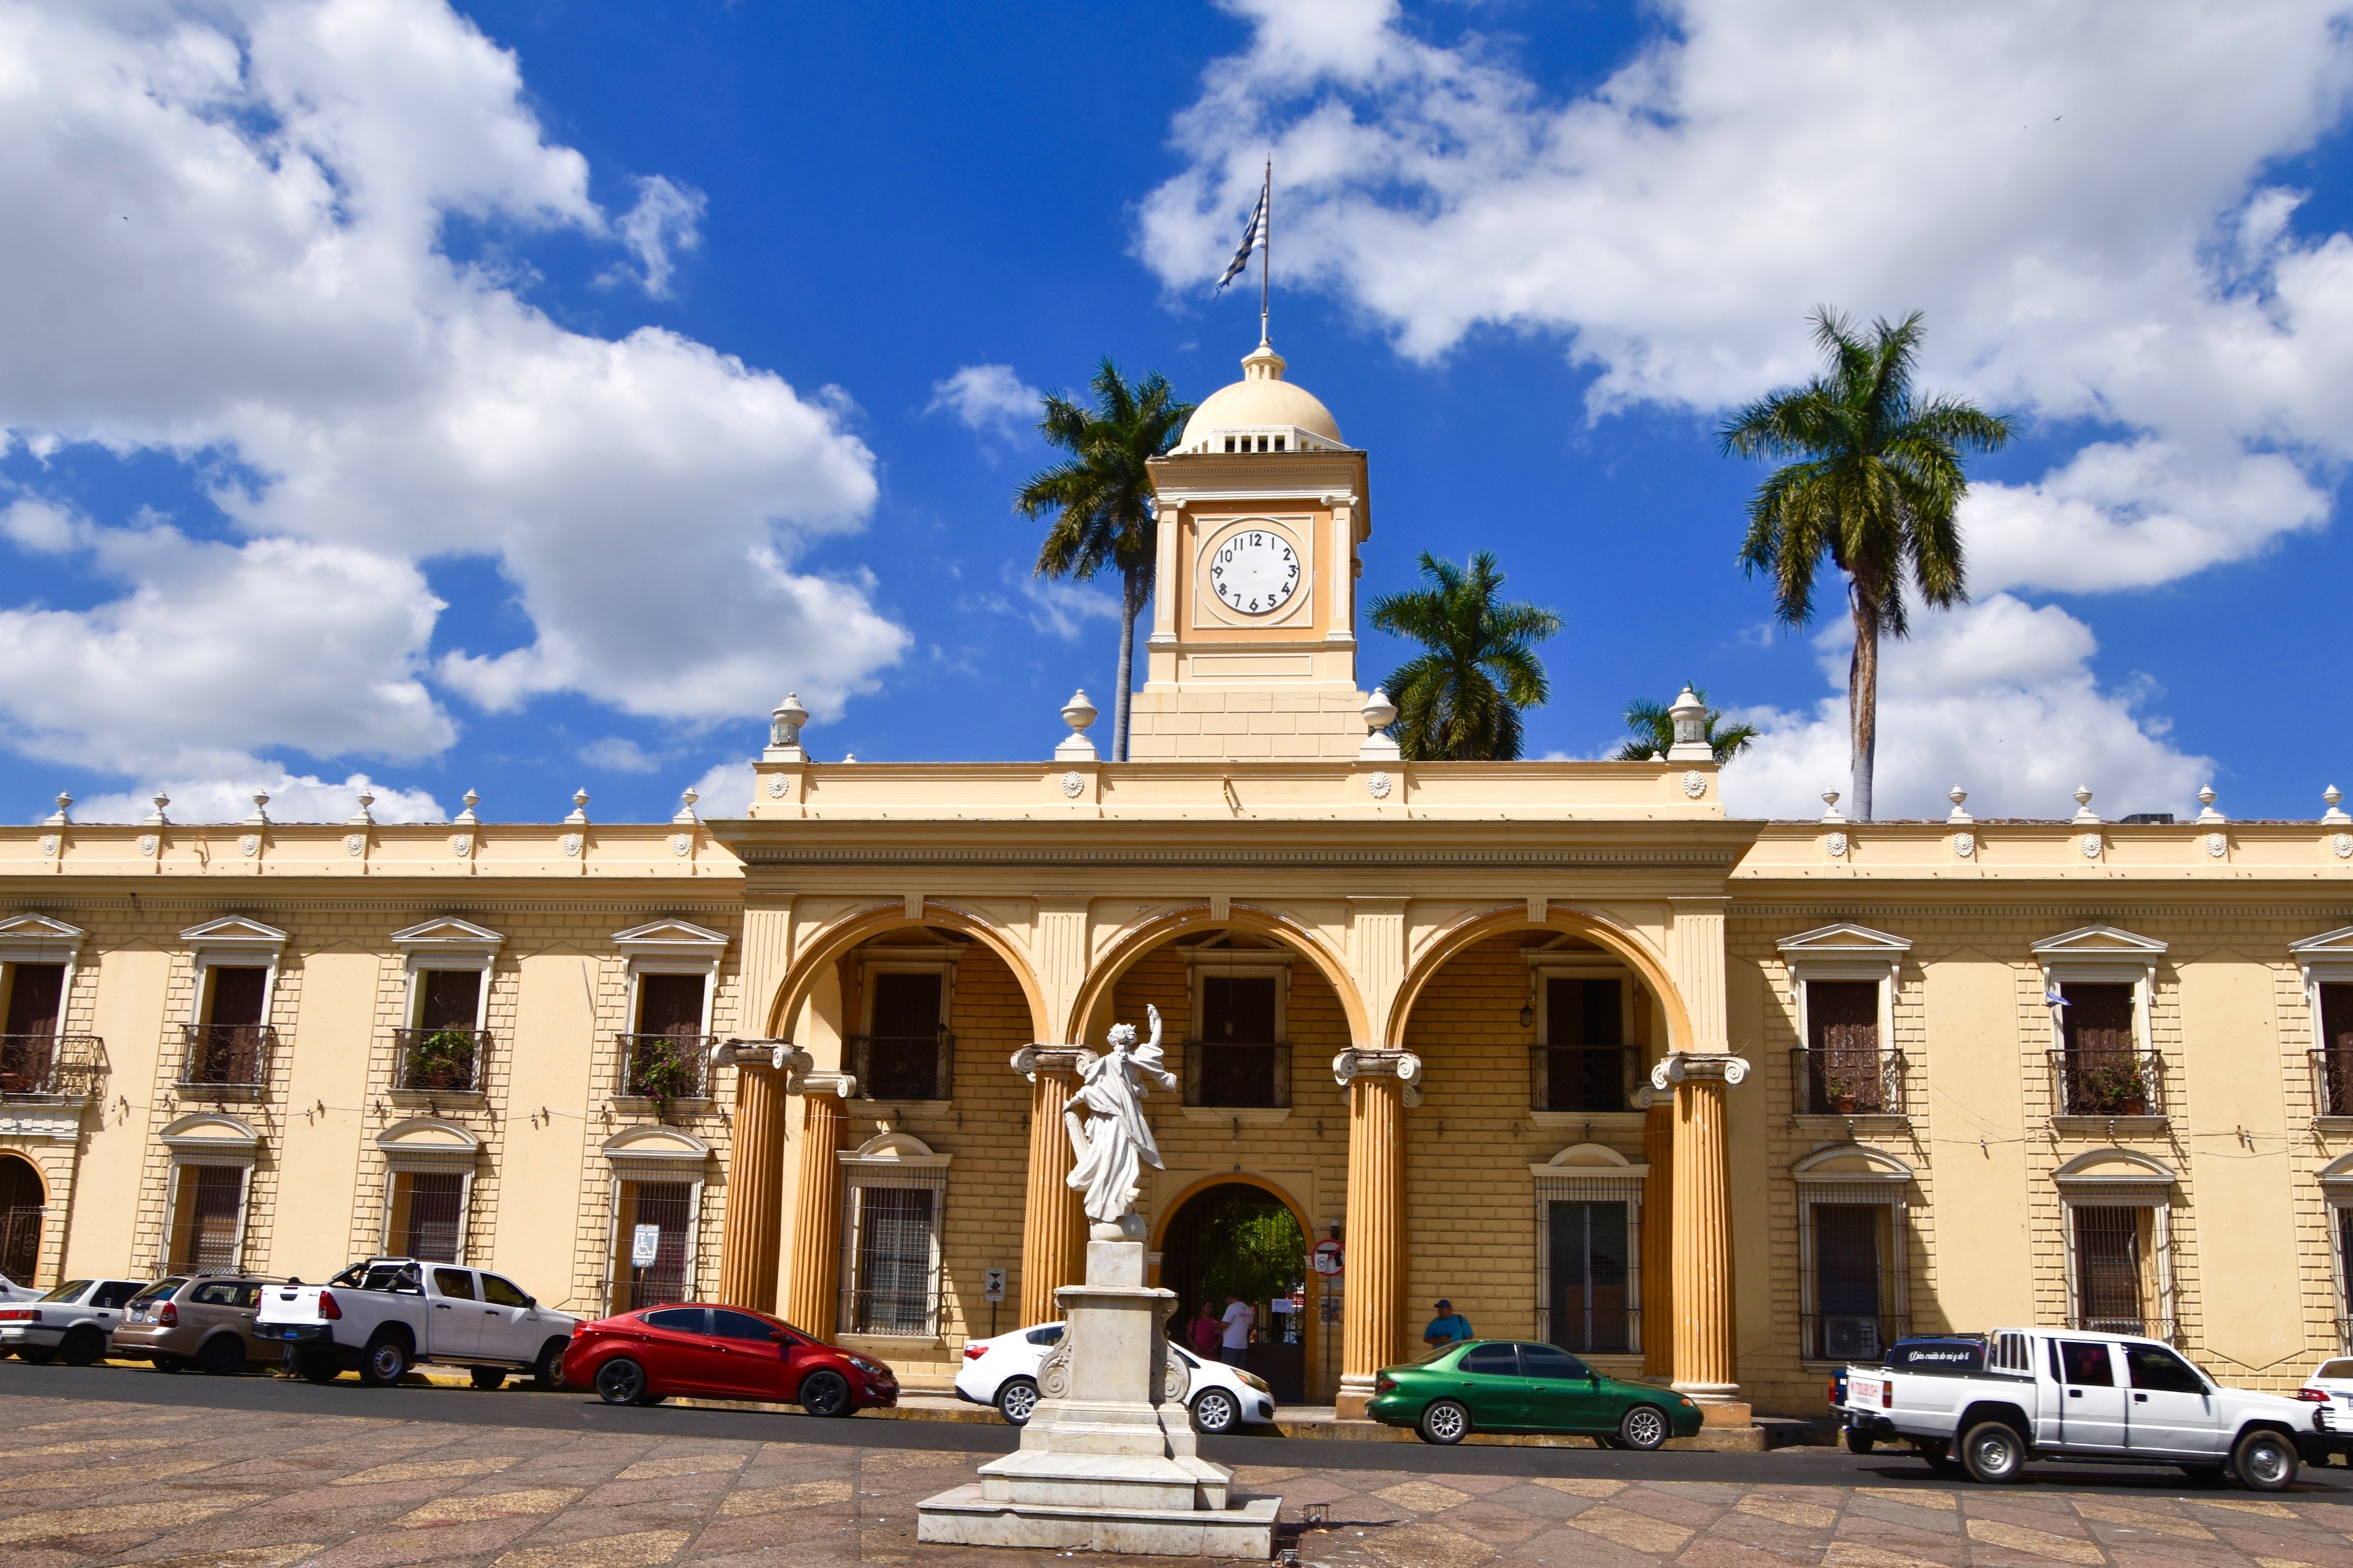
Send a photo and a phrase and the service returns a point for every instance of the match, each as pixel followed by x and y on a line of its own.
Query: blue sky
pixel 523 396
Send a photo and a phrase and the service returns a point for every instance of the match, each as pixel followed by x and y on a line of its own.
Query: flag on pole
pixel 1252 236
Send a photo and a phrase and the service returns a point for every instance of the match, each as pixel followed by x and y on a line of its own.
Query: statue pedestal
pixel 1108 1462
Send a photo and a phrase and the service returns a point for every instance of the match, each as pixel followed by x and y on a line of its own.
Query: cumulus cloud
pixel 992 399
pixel 619 754
pixel 1998 697
pixel 292 798
pixel 224 246
pixel 725 789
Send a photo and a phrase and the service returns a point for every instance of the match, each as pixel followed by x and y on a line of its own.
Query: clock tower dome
pixel 1262 510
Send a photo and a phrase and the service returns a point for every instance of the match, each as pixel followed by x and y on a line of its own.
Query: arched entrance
pixel 1238 1236
pixel 23 1196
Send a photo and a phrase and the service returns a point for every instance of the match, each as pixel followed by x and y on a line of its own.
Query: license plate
pixel 292 1334
pixel 1864 1390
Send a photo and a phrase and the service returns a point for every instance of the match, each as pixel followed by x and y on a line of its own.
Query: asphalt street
pixel 569 1410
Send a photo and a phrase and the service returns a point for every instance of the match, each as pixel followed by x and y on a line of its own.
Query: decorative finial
pixel 1957 794
pixel 686 799
pixel 471 799
pixel 360 818
pixel 2206 811
pixel 849 756
pixel 260 817
pixel 2084 812
pixel 156 819
pixel 1689 716
pixel 1078 713
pixel 2332 795
pixel 1378 713
pixel 64 813
pixel 1829 806
pixel 579 807
pixel 785 728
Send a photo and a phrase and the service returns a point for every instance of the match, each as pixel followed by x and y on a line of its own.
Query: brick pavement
pixel 83 1483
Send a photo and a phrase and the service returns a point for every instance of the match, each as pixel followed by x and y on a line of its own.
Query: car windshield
pixel 156 1292
pixel 67 1292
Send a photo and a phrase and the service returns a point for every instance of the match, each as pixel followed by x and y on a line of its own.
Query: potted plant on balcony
pixel 442 1058
pixel 1842 1093
pixel 663 1071
pixel 2114 1087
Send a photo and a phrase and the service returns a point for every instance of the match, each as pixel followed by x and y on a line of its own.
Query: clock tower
pixel 1262 509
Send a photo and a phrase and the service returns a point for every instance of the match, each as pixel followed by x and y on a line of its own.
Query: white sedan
pixel 1003 1372
pixel 2331 1384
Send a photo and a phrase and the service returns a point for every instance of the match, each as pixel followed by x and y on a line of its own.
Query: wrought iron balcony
pixel 1581 1077
pixel 1849 1336
pixel 1236 1076
pixel 665 1067
pixel 2332 1082
pixel 2108 1081
pixel 449 1061
pixel 902 1067
pixel 227 1056
pixel 51 1066
pixel 1847 1080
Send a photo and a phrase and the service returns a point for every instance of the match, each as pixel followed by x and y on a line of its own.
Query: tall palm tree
pixel 1876 484
pixel 1654 731
pixel 1102 498
pixel 1460 701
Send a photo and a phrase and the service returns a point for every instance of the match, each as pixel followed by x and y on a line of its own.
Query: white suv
pixel 1003 1372
pixel 73 1321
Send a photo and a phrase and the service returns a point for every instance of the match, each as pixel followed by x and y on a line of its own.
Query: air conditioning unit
pixel 1850 1339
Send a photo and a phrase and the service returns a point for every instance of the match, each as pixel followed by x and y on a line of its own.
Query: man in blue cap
pixel 1449 1328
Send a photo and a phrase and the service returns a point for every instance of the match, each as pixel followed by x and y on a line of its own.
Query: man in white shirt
pixel 1236 1340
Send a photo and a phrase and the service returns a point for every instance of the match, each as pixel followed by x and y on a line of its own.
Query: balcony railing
pixel 2332 1082
pixel 1848 1336
pixel 1580 1077
pixel 1231 1075
pixel 2108 1081
pixel 902 1067
pixel 1847 1080
pixel 664 1067
pixel 50 1066
pixel 448 1061
pixel 227 1056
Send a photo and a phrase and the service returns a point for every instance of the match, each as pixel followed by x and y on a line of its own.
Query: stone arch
pixel 1851 1163
pixel 1132 946
pixel 829 944
pixel 1619 944
pixel 1313 1329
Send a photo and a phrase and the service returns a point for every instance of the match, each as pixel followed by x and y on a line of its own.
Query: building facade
pixel 1721 1102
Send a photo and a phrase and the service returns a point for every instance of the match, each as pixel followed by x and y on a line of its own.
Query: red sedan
pixel 644 1357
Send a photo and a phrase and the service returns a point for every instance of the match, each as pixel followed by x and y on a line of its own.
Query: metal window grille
pixel 20 1241
pixel 1848 1323
pixel 894 1289
pixel 428 1215
pixel 1588 1282
pixel 211 1219
pixel 2332 1060
pixel 43 1064
pixel 227 1056
pixel 2111 1264
pixel 670 1205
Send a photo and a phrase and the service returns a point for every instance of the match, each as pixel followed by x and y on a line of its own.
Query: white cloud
pixel 292 798
pixel 2074 195
pixel 725 789
pixel 619 754
pixel 992 399
pixel 222 243
pixel 1996 697
pixel 1059 606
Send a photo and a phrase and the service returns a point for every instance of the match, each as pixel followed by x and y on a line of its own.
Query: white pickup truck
pixel 385 1314
pixel 2079 1396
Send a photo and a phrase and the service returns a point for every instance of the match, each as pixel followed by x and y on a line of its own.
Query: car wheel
pixel 223 1355
pixel 2206 1477
pixel 1645 1429
pixel 547 1372
pixel 621 1382
pixel 2264 1462
pixel 39 1355
pixel 487 1377
pixel 1939 1452
pixel 1857 1442
pixel 1016 1401
pixel 824 1393
pixel 384 1364
pixel 1993 1452
pixel 1445 1423
pixel 82 1345
pixel 168 1364
pixel 1215 1412
pixel 318 1367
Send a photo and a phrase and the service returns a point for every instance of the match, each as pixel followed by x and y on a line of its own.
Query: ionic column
pixel 1053 1225
pixel 1374 1292
pixel 756 1179
pixel 813 1283
pixel 1702 1248
pixel 1657 1233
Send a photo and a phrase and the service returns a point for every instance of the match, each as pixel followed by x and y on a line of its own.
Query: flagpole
pixel 1266 251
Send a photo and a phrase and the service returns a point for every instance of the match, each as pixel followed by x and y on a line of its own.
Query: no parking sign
pixel 1327 1257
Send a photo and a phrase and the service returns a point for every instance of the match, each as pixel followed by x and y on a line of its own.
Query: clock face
pixel 1255 571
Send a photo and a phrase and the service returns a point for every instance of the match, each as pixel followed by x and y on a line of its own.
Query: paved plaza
pixel 99 1482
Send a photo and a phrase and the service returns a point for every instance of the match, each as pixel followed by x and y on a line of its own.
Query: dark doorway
pixel 1239 1240
pixel 21 1199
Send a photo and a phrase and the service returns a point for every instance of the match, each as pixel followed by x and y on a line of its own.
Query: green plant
pixel 442 1058
pixel 1653 729
pixel 1102 498
pixel 1460 700
pixel 1876 488
pixel 2109 1081
pixel 663 1070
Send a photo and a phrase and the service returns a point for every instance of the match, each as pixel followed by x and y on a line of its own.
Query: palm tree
pixel 1876 487
pixel 1460 701
pixel 1102 498
pixel 1654 731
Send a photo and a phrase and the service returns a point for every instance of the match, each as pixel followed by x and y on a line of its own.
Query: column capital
pixel 1355 1063
pixel 835 1085
pixel 1686 1065
pixel 1031 1060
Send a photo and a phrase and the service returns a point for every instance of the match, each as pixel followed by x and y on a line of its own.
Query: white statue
pixel 1114 1145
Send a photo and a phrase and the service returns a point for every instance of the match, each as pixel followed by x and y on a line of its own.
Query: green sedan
pixel 1502 1385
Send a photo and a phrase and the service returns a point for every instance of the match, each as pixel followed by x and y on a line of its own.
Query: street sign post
pixel 1328 1258
pixel 992 1290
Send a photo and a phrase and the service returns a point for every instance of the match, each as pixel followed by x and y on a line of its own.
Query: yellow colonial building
pixel 1721 1102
